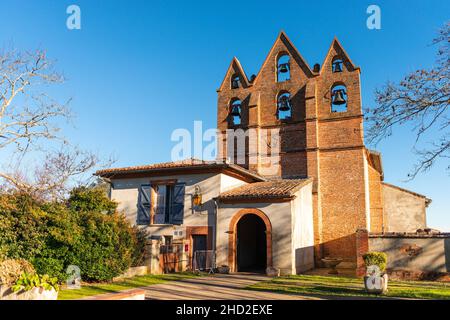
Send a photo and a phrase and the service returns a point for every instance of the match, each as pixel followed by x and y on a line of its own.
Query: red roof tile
pixel 274 189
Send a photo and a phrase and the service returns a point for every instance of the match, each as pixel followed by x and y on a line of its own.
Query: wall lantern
pixel 197 197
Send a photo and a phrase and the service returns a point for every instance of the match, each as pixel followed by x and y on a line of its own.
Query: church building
pixel 298 191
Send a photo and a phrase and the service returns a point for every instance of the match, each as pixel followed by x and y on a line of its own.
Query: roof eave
pixel 260 199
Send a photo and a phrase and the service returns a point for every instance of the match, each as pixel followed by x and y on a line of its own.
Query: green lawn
pixel 351 287
pixel 131 283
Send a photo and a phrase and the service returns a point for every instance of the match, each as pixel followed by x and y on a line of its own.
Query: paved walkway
pixel 216 287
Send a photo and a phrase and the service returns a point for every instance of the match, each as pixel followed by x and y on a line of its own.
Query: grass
pixel 126 284
pixel 351 287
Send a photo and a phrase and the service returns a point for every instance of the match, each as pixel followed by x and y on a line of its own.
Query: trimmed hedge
pixel 376 258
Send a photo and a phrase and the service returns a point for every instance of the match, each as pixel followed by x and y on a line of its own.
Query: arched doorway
pixel 244 223
pixel 251 244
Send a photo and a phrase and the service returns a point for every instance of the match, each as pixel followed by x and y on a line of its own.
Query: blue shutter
pixel 144 204
pixel 177 205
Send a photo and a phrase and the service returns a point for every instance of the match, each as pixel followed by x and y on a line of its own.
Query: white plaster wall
pixel 302 231
pixel 125 192
pixel 279 215
pixel 228 183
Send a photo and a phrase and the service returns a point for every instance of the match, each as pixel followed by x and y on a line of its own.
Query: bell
pixel 338 98
pixel 235 112
pixel 283 68
pixel 337 67
pixel 235 83
pixel 284 104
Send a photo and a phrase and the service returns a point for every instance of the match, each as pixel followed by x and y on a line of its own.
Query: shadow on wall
pixel 293 138
pixel 447 254
pixel 416 254
pixel 343 247
pixel 304 259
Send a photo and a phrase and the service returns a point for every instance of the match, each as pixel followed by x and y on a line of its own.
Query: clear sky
pixel 137 70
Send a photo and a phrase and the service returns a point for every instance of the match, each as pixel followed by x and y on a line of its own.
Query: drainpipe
pixel 216 211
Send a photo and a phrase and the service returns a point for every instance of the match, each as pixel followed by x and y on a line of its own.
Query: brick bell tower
pixel 317 117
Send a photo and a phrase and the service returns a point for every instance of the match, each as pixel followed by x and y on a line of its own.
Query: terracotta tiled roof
pixel 187 164
pixel 274 189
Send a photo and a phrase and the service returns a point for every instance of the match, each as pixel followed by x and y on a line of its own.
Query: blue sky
pixel 137 70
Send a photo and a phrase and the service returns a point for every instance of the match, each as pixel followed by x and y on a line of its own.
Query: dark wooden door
pixel 199 244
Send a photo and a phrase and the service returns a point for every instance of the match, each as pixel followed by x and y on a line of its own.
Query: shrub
pixel 106 247
pixel 11 269
pixel 87 231
pixel 21 226
pixel 94 199
pixel 376 258
pixel 63 232
pixel 140 239
pixel 28 281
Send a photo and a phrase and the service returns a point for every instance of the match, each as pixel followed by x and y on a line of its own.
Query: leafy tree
pixel 93 199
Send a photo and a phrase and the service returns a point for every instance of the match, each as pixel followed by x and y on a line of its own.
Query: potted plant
pixel 36 287
pixel 19 281
pixel 376 279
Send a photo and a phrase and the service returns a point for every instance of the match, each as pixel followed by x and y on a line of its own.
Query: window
pixel 235 112
pixel 339 98
pixel 162 209
pixel 284 109
pixel 169 204
pixel 283 68
pixel 337 65
pixel 235 82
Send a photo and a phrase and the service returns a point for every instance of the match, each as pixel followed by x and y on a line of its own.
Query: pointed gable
pixel 337 50
pixel 284 44
pixel 234 68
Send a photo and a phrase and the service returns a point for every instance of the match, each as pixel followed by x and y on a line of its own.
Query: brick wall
pixel 376 201
pixel 316 142
pixel 362 247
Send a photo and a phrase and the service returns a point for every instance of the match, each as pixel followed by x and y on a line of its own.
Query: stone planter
pixel 34 294
pixel 376 285
pixel 223 269
pixel 332 264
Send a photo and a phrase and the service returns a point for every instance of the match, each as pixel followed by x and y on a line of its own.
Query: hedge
pixel 86 230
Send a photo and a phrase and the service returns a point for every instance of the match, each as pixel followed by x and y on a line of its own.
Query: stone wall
pixel 414 255
pixel 405 211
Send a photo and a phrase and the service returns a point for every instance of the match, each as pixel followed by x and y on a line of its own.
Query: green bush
pixel 138 255
pixel 28 281
pixel 106 247
pixel 95 199
pixel 376 258
pixel 22 227
pixel 87 231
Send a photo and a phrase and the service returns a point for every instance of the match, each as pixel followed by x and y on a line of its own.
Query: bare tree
pixel 29 123
pixel 421 99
